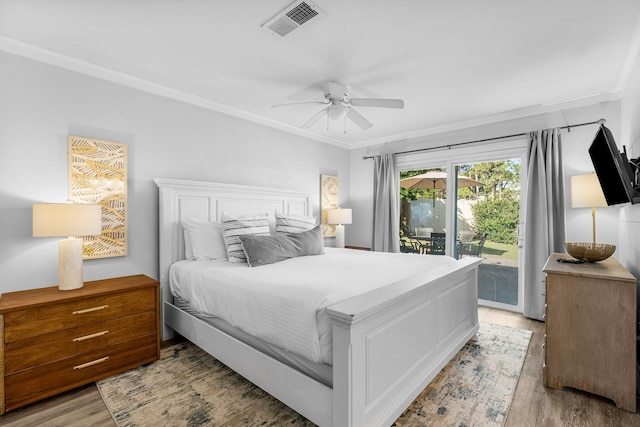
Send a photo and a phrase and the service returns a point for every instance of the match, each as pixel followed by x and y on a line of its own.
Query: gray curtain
pixel 386 204
pixel 544 227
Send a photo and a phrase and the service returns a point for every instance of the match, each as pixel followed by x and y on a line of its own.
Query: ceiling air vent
pixel 293 16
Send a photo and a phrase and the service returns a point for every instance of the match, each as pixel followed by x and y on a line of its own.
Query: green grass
pixel 500 250
pixel 493 249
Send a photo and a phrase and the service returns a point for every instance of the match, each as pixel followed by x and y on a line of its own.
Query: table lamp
pixel 72 220
pixel 587 193
pixel 339 217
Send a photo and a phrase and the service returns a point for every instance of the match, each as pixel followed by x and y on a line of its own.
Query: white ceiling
pixel 455 63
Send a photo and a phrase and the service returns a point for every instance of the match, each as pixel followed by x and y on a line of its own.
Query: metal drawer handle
pixel 89 310
pixel 88 337
pixel 94 362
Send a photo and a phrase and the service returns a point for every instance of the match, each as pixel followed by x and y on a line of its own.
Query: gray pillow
pixel 261 250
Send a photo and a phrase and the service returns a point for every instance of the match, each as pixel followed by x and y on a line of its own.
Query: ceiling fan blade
pixel 358 119
pixel 377 102
pixel 336 91
pixel 300 103
pixel 315 118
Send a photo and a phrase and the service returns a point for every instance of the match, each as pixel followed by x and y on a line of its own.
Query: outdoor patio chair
pixel 408 247
pixel 472 250
pixel 437 244
pixel 424 231
pixel 465 236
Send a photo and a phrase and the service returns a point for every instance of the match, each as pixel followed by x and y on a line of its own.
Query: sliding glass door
pixel 468 205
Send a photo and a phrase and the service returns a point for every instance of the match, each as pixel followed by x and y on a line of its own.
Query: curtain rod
pixel 449 146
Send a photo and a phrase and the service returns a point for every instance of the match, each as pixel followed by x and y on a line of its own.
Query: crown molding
pixel 36 53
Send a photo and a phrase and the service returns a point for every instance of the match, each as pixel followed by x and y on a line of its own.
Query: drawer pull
pixel 89 310
pixel 88 337
pixel 93 362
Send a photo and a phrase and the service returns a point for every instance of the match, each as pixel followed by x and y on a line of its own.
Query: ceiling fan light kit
pixel 339 105
pixel 337 111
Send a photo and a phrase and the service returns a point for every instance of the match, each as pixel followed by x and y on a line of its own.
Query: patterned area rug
pixel 188 387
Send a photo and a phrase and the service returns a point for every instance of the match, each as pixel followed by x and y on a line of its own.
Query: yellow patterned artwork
pixel 98 175
pixel 329 195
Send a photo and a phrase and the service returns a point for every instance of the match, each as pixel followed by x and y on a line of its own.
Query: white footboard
pixel 389 344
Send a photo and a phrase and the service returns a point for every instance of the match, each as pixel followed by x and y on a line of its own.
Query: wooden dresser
pixel 591 329
pixel 53 340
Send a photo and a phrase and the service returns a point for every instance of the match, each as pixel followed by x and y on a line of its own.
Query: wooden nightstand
pixel 53 340
pixel 591 329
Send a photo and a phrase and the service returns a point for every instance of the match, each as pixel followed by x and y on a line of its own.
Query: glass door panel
pixel 487 218
pixel 423 195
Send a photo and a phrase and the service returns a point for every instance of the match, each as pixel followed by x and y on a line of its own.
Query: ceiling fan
pixel 339 105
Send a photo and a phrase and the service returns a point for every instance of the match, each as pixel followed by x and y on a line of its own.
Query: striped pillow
pixel 286 223
pixel 242 226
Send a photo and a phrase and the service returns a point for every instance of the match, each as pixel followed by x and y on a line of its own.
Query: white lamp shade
pixel 586 192
pixel 339 216
pixel 66 219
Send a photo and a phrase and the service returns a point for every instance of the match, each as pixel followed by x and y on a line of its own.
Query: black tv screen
pixel 612 170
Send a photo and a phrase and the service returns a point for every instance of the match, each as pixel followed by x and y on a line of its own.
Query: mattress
pixel 284 303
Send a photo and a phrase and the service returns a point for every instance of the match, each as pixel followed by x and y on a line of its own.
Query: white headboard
pixel 180 199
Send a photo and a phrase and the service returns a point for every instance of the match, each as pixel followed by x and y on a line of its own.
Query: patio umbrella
pixel 435 180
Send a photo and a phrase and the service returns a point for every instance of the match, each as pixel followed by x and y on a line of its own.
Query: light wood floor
pixel 533 404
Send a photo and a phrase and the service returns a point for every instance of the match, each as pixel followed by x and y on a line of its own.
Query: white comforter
pixel 283 303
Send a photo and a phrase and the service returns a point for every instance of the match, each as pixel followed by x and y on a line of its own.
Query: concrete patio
pixel 498 280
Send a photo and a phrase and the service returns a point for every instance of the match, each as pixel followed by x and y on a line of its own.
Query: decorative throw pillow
pixel 203 240
pixel 234 227
pixel 286 223
pixel 261 250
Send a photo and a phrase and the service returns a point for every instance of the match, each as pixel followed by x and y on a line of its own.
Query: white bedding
pixel 283 303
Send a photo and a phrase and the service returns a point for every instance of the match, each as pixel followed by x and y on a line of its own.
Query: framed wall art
pixel 98 175
pixel 329 200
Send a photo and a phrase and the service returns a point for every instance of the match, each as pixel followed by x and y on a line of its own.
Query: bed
pixel 387 344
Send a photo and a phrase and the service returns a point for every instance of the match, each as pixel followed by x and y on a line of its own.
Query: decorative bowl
pixel 590 252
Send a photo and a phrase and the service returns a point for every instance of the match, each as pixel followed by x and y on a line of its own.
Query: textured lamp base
pixel 70 264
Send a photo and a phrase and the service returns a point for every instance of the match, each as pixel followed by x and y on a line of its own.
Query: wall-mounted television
pixel 616 174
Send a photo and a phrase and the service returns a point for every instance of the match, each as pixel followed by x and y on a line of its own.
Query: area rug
pixel 188 387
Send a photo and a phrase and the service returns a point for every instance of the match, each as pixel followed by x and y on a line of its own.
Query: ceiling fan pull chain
pixel 345 125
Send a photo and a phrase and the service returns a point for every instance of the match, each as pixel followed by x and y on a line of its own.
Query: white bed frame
pixel 387 344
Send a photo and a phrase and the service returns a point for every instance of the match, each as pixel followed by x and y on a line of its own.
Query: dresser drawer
pixel 46 380
pixel 35 351
pixel 32 322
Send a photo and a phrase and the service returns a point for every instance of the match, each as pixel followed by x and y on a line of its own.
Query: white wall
pixel 360 232
pixel 40 105
pixel 629 248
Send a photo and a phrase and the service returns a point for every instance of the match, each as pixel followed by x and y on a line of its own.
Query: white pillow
pixel 286 223
pixel 242 226
pixel 203 240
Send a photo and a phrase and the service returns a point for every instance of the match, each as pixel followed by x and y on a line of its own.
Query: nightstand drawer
pixel 46 380
pixel 62 344
pixel 42 320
